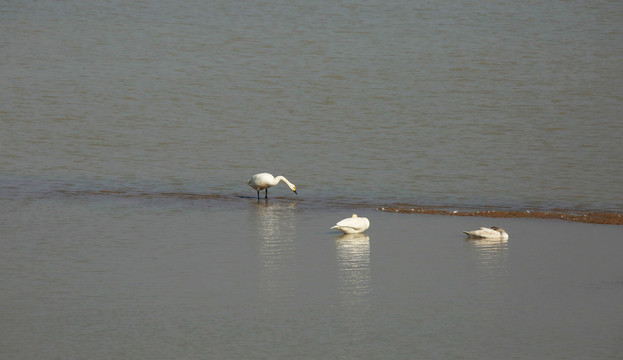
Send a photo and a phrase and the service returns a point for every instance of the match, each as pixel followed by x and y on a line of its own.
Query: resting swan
pixel 353 225
pixel 263 181
pixel 493 232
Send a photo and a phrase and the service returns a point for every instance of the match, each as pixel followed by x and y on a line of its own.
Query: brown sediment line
pixel 591 217
pixel 583 216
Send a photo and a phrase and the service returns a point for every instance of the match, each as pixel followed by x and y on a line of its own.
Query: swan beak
pixel 295 191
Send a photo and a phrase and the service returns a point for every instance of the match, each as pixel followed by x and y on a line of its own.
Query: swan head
pixel 282 178
pixel 498 229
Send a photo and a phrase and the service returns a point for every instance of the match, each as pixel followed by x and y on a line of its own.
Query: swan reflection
pixel 276 228
pixel 490 253
pixel 353 256
pixel 491 256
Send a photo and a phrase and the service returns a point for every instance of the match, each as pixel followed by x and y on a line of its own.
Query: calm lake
pixel 128 131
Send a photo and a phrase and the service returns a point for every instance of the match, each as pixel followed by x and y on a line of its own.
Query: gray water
pixel 128 131
pixel 108 278
pixel 436 103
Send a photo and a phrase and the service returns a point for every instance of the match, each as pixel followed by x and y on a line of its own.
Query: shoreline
pixel 589 217
pixel 602 217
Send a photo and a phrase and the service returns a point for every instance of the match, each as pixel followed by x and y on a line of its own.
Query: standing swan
pixel 353 225
pixel 263 181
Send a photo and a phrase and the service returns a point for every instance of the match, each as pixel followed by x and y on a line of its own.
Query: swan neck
pixel 281 178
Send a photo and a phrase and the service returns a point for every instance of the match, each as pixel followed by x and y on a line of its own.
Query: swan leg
pixel 266 195
pixel 258 195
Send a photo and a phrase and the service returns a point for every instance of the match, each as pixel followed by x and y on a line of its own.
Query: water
pixel 128 131
pixel 103 278
pixel 434 103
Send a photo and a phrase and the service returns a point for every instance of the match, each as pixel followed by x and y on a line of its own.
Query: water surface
pixel 128 131
pixel 506 104
pixel 100 279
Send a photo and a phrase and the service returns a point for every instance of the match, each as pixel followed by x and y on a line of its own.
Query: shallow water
pixel 103 278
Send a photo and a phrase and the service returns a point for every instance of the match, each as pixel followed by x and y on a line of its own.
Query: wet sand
pixel 591 217
pixel 582 216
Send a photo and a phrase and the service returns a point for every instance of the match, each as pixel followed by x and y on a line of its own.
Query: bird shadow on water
pixel 245 197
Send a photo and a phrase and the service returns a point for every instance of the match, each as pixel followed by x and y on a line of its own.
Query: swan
pixel 353 225
pixel 263 181
pixel 493 232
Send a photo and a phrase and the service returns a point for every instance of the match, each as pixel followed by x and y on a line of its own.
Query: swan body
pixel 352 225
pixel 493 232
pixel 263 181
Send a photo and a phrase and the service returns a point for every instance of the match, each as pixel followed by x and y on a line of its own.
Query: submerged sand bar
pixel 584 216
pixel 592 217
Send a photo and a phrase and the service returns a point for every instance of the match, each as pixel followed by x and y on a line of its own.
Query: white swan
pixel 493 232
pixel 263 181
pixel 353 225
